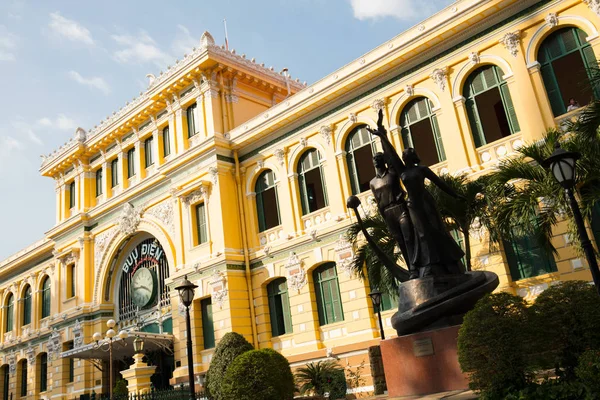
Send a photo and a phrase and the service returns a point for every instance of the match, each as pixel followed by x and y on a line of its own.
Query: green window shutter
pixel 475 123
pixel 319 297
pixel 191 121
pixel 437 137
pixel 27 307
pixel 287 314
pixel 149 159
pixel 303 194
pixel 386 302
pixel 591 63
pixel 509 108
pixel 114 172
pixel 43 372
pixel 208 328
pixel 260 209
pixel 327 291
pixel 99 182
pixel 552 90
pixel 166 142
pixel 201 223
pixel 72 280
pixel 72 195
pixel 46 298
pixel 324 185
pixel 9 313
pixel 279 307
pixel 277 202
pixel 352 172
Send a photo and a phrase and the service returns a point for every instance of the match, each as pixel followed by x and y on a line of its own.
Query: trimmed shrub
pixel 493 345
pixel 120 387
pixel 258 375
pixel 566 319
pixel 229 348
pixel 588 371
pixel 314 377
pixel 336 385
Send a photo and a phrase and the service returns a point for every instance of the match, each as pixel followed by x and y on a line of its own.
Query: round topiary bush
pixel 493 345
pixel 588 371
pixel 336 385
pixel 567 317
pixel 258 375
pixel 229 348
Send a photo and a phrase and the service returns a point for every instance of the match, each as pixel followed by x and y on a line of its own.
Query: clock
pixel 143 287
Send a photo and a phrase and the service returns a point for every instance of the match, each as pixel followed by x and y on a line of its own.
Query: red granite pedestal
pixel 423 363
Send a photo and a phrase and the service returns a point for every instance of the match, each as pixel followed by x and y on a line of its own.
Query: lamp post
pixel 186 291
pixel 563 165
pixel 375 296
pixel 106 344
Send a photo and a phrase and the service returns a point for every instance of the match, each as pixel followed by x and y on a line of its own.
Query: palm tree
pixel 313 377
pixel 461 214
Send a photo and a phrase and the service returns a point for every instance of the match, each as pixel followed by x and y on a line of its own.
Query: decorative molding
pixel 80 135
pixel 410 90
pixel 200 194
pixel 511 42
pixel 352 118
pixel 12 362
pixel 378 104
pixel 325 132
pixel 101 242
pixel 30 355
pixel 218 287
pixel 129 219
pixel 474 57
pixel 260 164
pixel 594 5
pixel 214 172
pixel 280 156
pixel 77 334
pixel 54 344
pixel 344 254
pixel 439 76
pixel 164 213
pixel 303 142
pixel 295 272
pixel 552 19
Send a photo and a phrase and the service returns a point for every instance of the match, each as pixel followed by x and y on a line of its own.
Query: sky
pixel 68 64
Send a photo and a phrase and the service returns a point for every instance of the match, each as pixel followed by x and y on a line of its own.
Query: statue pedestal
pixel 423 363
pixel 138 376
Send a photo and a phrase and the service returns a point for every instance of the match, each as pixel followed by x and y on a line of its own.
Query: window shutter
pixel 303 194
pixel 277 203
pixel 509 108
pixel 352 172
pixel 406 138
pixel 201 223
pixel 208 328
pixel 475 123
pixel 324 185
pixel 287 315
pixel 260 210
pixel 386 302
pixel 319 296
pixel 437 137
pixel 552 90
pixel 591 63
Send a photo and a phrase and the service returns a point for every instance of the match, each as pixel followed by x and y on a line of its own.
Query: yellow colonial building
pixel 236 175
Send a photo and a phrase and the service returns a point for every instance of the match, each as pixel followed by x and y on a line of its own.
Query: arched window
pixel 5 381
pixel 267 206
pixel 45 298
pixel 43 372
pixel 27 306
pixel 10 305
pixel 313 191
pixel 420 131
pixel 22 378
pixel 191 120
pixel 279 307
pixel 566 58
pixel 489 106
pixel 327 291
pixel 360 148
pixel 166 142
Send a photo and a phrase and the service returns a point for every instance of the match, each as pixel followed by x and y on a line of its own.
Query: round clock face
pixel 143 287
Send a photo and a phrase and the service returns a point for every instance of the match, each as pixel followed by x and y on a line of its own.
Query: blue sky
pixel 65 64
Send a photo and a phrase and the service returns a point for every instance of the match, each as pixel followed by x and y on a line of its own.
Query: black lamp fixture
pixel 138 344
pixel 563 165
pixel 375 296
pixel 186 291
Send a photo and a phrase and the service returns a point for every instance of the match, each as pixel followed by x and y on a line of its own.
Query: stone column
pixel 138 376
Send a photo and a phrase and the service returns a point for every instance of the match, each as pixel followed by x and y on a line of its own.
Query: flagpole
pixel 226 38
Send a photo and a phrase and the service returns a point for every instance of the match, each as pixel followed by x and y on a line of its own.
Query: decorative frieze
pixel 552 20
pixel 439 76
pixel 129 219
pixel 378 104
pixel 296 276
pixel 410 90
pixel 218 288
pixel 474 57
pixel 280 156
pixel 200 194
pixel 594 5
pixel 77 334
pixel 54 344
pixel 101 242
pixel 325 132
pixel 344 254
pixel 352 118
pixel 164 213
pixel 214 173
pixel 12 362
pixel 511 42
pixel 30 352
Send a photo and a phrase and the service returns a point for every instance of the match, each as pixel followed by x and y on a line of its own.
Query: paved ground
pixel 453 395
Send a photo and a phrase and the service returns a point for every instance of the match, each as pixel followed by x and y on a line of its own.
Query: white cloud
pixel 8 43
pixel 70 29
pixel 32 131
pixel 10 143
pixel 65 123
pixel 45 122
pixel 94 82
pixel 184 41
pixel 26 130
pixel 400 9
pixel 139 49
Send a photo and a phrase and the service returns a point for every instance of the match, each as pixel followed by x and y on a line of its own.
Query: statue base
pixel 423 363
pixel 438 301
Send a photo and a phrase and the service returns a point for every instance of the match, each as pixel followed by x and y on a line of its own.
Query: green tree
pixel 229 348
pixel 258 375
pixel 315 378
pixel 462 213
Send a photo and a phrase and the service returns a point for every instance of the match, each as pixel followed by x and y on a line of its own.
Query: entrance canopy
pixel 122 348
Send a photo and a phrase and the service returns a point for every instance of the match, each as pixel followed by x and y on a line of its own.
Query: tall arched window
pixel 10 306
pixel 420 131
pixel 43 358
pixel 566 58
pixel 327 291
pixel 489 106
pixel 313 191
pixel 27 306
pixel 267 206
pixel 191 120
pixel 45 298
pixel 5 381
pixel 360 149
pixel 22 378
pixel 279 307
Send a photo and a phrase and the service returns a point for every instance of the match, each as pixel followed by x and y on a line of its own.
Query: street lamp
pixel 563 165
pixel 186 291
pixel 375 296
pixel 106 345
pixel 138 344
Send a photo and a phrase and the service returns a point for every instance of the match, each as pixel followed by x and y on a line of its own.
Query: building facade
pixel 236 176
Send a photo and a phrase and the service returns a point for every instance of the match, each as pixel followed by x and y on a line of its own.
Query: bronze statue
pixel 435 291
pixel 431 250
